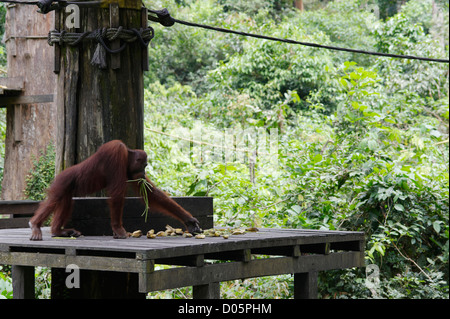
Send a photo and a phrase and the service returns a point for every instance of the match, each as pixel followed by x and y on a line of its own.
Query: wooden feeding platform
pixel 201 263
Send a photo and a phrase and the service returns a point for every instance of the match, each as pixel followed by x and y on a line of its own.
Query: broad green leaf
pixel 317 158
pixel 437 226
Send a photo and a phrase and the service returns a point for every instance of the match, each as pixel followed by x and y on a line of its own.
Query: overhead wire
pixel 164 18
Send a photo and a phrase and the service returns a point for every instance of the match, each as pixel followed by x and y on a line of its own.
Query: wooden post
pixel 30 121
pixel 23 282
pixel 209 291
pixel 305 285
pixel 98 105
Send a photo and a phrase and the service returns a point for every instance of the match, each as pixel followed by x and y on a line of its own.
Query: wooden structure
pixel 97 105
pixel 126 268
pixel 94 105
pixel 91 214
pixel 27 93
pixel 300 252
pixel 91 217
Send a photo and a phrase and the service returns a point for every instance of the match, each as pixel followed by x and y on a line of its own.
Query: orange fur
pixel 109 168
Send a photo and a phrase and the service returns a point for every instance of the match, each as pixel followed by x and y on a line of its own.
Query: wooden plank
pixel 19 207
pixel 17 126
pixel 67 109
pixel 144 24
pixel 84 262
pixel 136 255
pixel 25 99
pixel 56 48
pixel 14 222
pixel 12 46
pixel 114 23
pixel 170 247
pixel 91 215
pixel 12 83
pixel 195 276
pixel 16 208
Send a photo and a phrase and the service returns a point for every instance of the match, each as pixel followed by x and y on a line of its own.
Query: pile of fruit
pixel 212 232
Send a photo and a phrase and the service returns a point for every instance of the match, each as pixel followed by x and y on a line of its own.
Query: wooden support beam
pixel 197 276
pixel 17 123
pixel 23 282
pixel 96 285
pixel 25 99
pixel 14 84
pixel 305 285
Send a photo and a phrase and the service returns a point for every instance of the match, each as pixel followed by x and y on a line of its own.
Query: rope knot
pixel 101 36
pixel 116 34
pixel 62 37
pixel 163 17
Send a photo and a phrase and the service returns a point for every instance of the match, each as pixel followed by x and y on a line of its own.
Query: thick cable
pixel 165 19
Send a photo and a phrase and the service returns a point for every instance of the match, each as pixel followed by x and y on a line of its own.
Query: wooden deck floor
pixel 167 247
pixel 213 259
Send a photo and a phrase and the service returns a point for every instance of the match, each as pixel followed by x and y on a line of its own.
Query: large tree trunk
pixel 95 106
pixel 30 127
pixel 98 105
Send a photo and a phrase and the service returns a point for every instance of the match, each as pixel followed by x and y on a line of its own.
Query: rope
pixel 163 17
pixel 143 36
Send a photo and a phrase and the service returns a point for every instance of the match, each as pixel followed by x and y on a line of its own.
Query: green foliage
pixel 186 56
pixel 41 176
pixel 258 288
pixel 361 145
pixel 5 283
pixel 400 36
pixel 2 31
